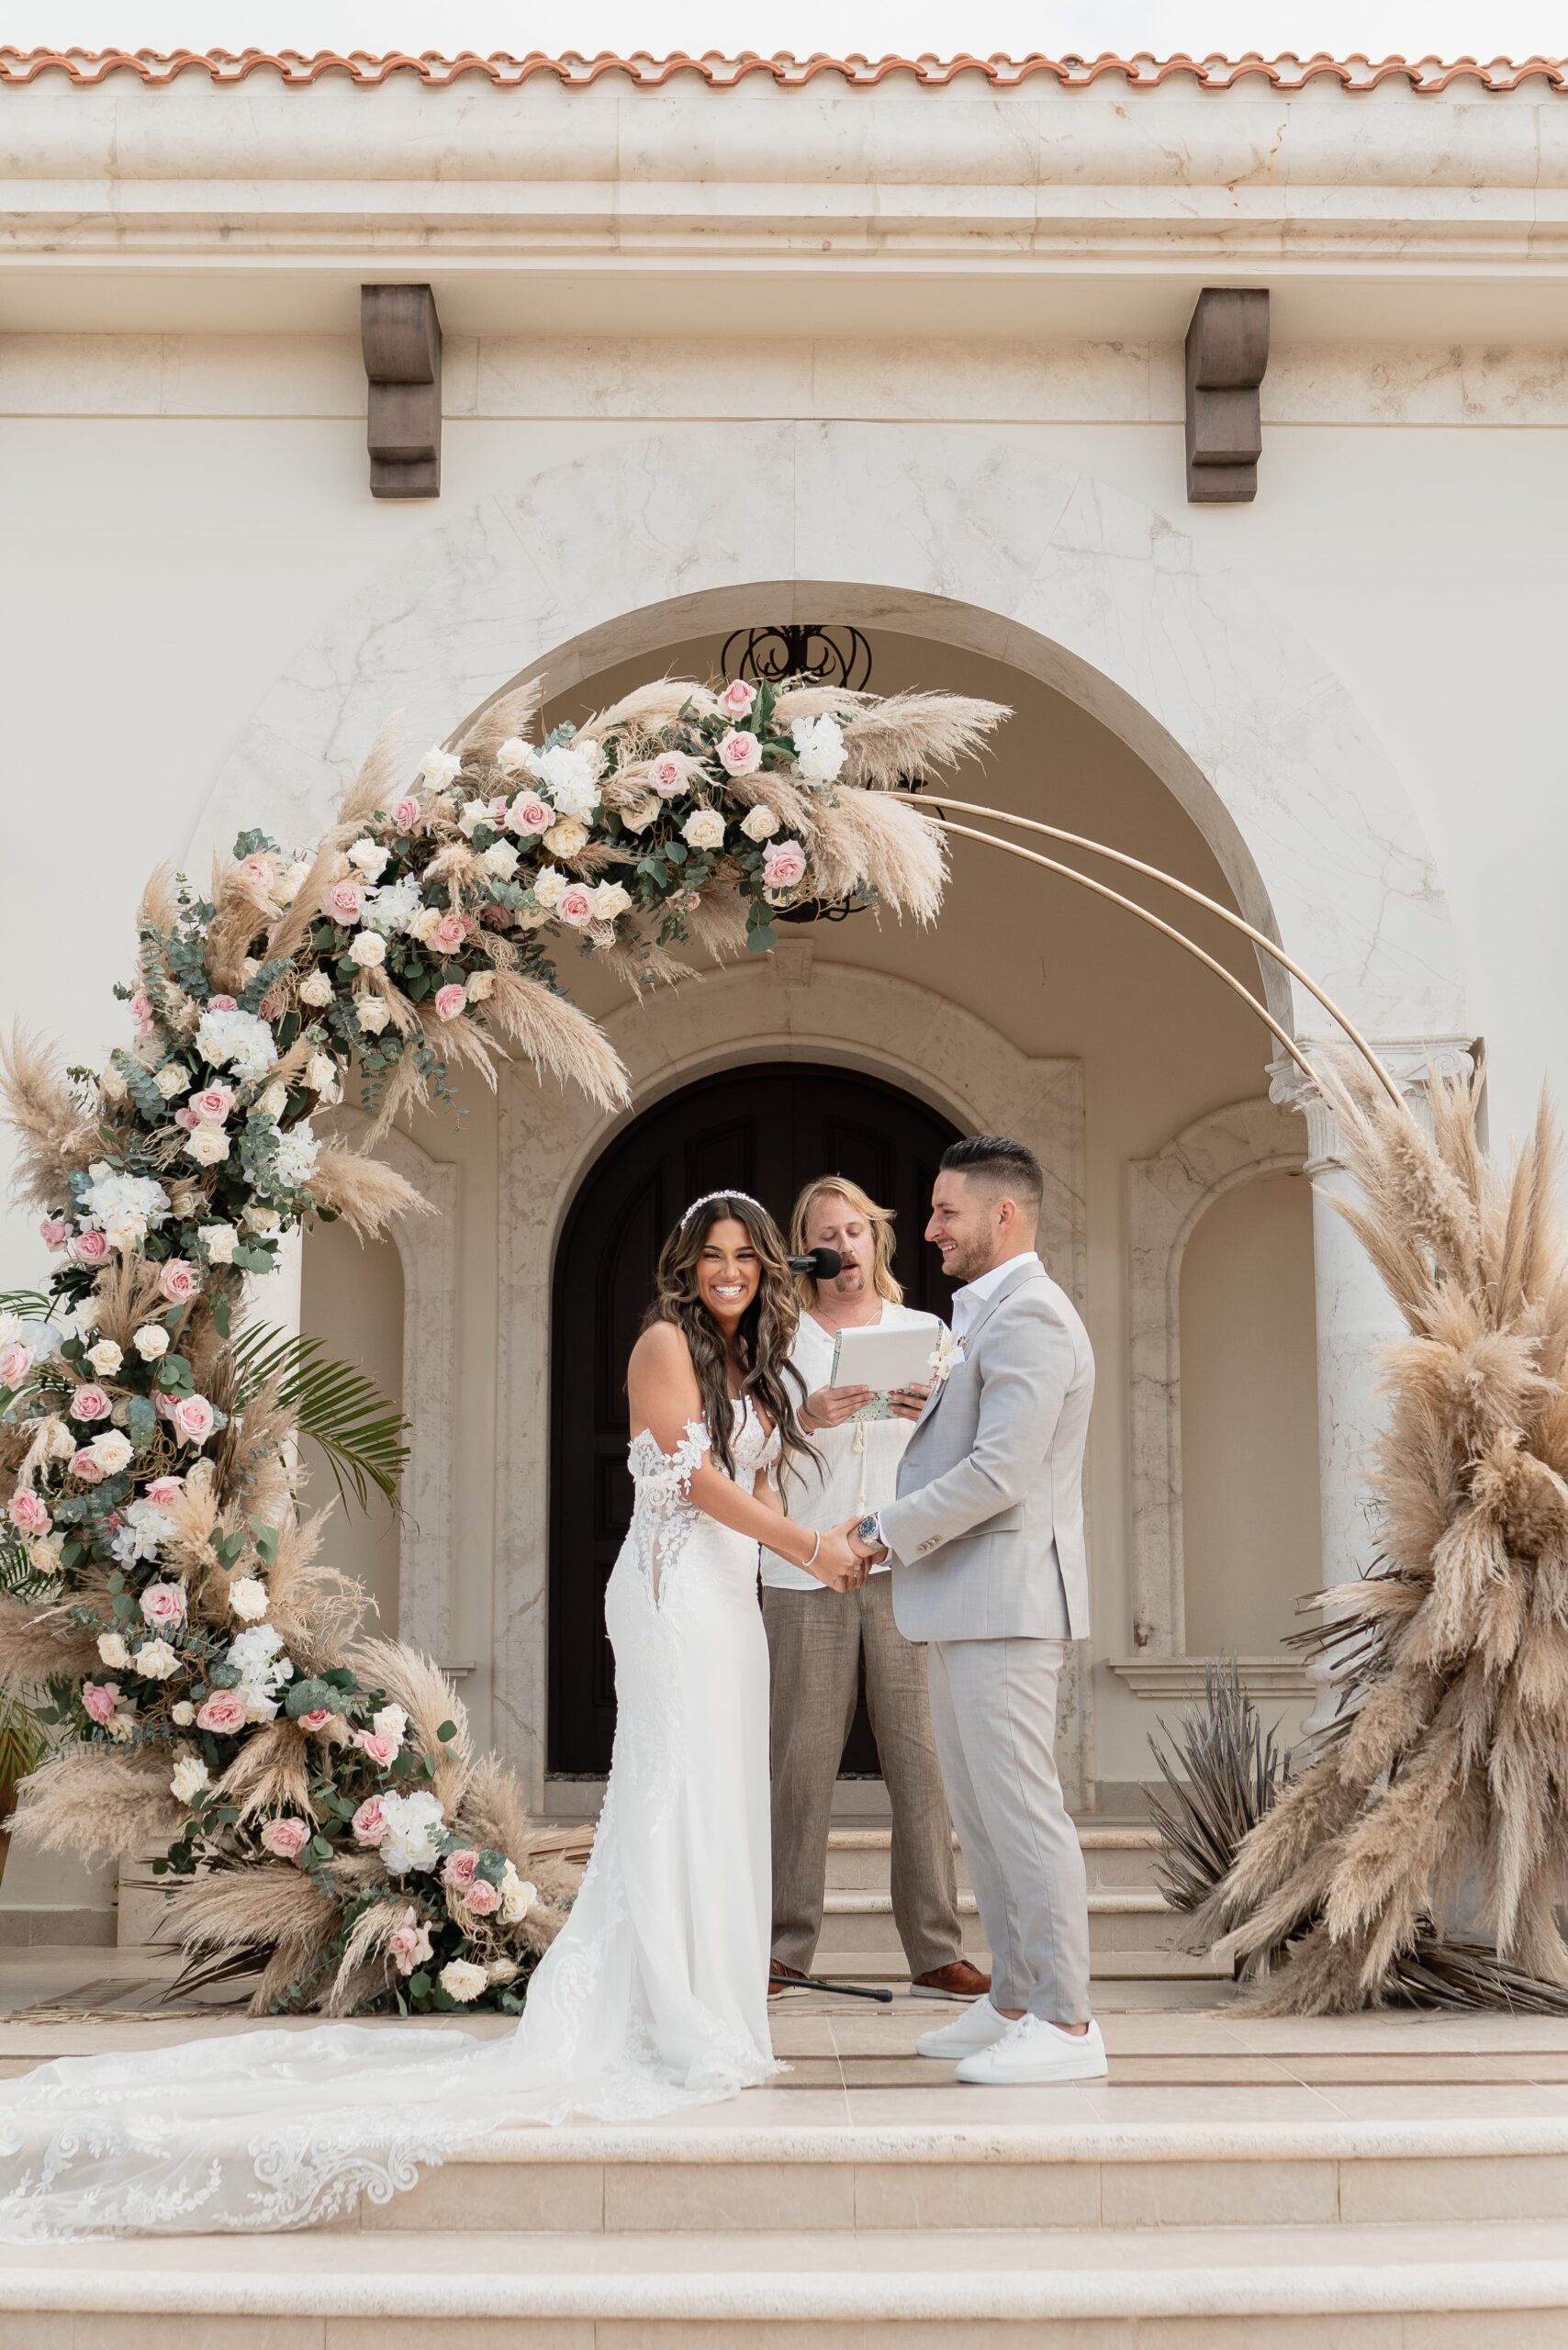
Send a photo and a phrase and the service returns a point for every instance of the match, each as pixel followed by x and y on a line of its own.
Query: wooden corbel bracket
pixel 1228 350
pixel 400 334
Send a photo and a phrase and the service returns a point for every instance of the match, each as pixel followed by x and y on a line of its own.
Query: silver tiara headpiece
pixel 729 1193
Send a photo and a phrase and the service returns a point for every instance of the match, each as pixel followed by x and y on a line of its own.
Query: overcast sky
pixel 1412 27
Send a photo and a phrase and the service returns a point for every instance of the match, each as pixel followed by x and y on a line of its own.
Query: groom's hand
pixel 872 1553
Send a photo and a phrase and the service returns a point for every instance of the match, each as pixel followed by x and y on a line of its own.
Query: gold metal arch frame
pixel 1130 905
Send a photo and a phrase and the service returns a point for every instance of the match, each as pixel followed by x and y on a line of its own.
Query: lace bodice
pixel 663 1518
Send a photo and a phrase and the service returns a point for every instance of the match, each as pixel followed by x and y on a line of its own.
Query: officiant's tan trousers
pixel 815 1640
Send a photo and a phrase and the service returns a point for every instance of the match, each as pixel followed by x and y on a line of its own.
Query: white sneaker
pixel 976 2029
pixel 1032 2050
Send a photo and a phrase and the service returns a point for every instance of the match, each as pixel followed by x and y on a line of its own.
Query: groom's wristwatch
pixel 869 1529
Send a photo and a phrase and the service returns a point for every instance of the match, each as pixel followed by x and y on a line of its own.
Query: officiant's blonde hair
pixel 880 1219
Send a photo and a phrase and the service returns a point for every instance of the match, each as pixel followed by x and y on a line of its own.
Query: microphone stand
pixel 819 1983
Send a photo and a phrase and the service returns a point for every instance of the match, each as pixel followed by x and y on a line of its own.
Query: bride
pixel 655 1993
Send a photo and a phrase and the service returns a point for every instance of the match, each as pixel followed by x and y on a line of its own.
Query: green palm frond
pixel 336 1405
pixel 22 1744
pixel 30 1304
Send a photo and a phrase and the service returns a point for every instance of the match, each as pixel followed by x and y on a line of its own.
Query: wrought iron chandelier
pixel 827 657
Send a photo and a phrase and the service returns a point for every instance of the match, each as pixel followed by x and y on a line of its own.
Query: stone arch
pixel 968 535
pixel 794 1002
pixel 1168 1196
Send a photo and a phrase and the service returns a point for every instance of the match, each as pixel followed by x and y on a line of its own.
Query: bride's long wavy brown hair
pixel 763 1341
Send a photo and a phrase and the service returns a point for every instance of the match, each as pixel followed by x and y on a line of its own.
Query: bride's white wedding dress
pixel 653 1995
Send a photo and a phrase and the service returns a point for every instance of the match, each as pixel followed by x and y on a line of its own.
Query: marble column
pixel 1356 1317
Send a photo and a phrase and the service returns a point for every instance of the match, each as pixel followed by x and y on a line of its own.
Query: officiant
pixel 816 1638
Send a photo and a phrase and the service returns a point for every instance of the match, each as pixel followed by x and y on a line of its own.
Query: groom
pixel 989 1570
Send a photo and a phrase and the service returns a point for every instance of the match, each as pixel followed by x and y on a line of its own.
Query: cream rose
pixel 113 1652
pixel 172 1078
pixel 191 1778
pixel 439 767
pixel 371 1012
pixel 368 856
pixel 460 1980
pixel 247 1598
pixel 369 950
pixel 155 1660
pixel 704 828
pixel 549 887
pixel 112 1452
pixel 106 1358
pixel 471 815
pixel 499 860
pixel 515 756
pixel 151 1341
pixel 640 813
pixel 315 989
pixel 208 1146
pixel 760 824
pixel 566 837
pixel 219 1240
pixel 480 984
pixel 608 901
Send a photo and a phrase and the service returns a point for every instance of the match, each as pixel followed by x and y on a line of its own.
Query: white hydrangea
pixel 112 1203
pixel 142 1528
pixel 297 1151
pixel 415 1826
pixel 819 748
pixel 257 1657
pixel 240 1041
pixel 570 772
pixel 394 908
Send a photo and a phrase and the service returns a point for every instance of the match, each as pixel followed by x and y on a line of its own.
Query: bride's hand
pixel 837 1564
pixel 829 1408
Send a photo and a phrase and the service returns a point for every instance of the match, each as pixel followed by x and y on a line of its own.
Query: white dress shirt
pixel 858 1459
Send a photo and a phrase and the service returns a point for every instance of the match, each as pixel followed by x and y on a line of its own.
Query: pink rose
pixel 141 1008
pixel 499 810
pixel 194 1418
pixel 459 1869
pixel 317 1719
pixel 450 1000
pixel 27 1513
pixel 185 1117
pixel 668 772
pixel 86 1469
pixel 164 1490
pixel 16 1361
pixel 410 1946
pixel 737 698
pixel 90 1404
pixel 482 1897
pixel 90 1248
pixel 55 1233
pixel 344 901
pixel 213 1104
pixel 783 864
pixel 178 1281
pixel 530 815
pixel 221 1003
pixel 449 933
pixel 286 1839
pixel 740 753
pixel 163 1604
pixel 258 869
pixel 575 905
pixel 223 1713
pixel 381 1751
pixel 369 1822
pixel 408 815
pixel 101 1700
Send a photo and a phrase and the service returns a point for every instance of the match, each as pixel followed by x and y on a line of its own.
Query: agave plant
pixel 337 1406
pixel 1224 1771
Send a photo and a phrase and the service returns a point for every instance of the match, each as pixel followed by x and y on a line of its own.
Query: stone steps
pixel 1123 1917
pixel 1120 1855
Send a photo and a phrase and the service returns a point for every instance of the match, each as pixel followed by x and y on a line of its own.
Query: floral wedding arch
pixel 200 1666
pixel 328 1824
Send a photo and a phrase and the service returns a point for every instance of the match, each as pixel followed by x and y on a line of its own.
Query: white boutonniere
pixel 946 1355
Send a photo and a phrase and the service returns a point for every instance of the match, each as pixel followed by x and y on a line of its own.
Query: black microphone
pixel 822 1264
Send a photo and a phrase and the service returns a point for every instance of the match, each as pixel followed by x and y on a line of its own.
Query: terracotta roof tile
pixel 1429 76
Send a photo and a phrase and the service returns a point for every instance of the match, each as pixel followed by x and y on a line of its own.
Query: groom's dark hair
pixel 1004 1167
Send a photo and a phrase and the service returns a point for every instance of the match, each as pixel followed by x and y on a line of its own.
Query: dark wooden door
pixel 767 1130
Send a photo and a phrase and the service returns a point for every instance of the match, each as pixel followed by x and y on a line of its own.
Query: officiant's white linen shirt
pixel 822 1503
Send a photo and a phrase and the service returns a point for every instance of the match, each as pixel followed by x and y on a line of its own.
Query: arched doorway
pixel 767 1128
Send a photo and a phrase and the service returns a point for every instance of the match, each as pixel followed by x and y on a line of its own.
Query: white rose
pixel 641 813
pixel 370 857
pixel 315 989
pixel 550 887
pixel 152 1340
pixel 191 1777
pixel 369 950
pixel 183 1712
pixel 704 828
pixel 155 1660
pixel 471 815
pixel 516 758
pixel 439 767
pixel 208 1146
pixel 275 1101
pixel 111 1085
pixel 610 900
pixel 372 1014
pixel 500 859
pixel 221 1241
pixel 114 1653
pixel 172 1078
pixel 247 1598
pixel 480 985
pixel 320 1073
pixel 424 924
pixel 262 1219
pixel 760 824
pixel 518 1896
pixel 390 1722
pixel 105 1358
pixel 460 1980
pixel 502 1970
pixel 112 1452
pixel 566 838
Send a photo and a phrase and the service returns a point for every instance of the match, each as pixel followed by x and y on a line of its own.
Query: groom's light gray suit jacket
pixel 987 1531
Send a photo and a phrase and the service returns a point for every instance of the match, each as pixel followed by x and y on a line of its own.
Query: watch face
pixel 867 1529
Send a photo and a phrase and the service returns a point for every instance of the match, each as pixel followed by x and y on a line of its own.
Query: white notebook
pixel 883 1359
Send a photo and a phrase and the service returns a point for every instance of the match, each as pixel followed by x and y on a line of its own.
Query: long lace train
pixel 652 1996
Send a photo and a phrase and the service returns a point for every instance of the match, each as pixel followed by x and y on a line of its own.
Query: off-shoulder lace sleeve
pixel 662 1514
pixel 665 1477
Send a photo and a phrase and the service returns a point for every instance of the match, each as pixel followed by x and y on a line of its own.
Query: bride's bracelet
pixel 816 1546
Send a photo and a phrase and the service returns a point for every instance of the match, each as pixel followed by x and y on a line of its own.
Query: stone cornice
pixel 1356 75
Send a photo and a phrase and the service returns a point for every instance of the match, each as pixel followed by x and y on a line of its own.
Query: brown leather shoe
pixel 959 1981
pixel 781 1977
